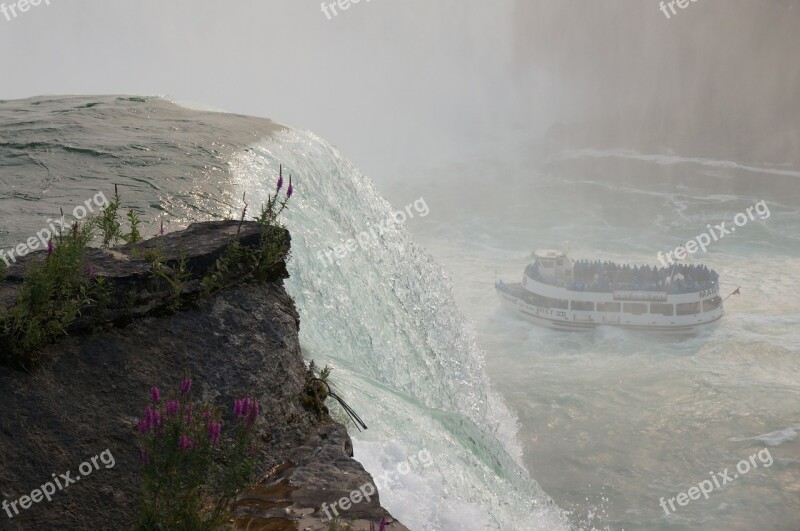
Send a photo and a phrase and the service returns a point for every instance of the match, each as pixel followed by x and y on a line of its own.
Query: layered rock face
pixel 239 341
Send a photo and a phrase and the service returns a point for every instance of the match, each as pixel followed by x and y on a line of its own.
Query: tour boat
pixel 564 294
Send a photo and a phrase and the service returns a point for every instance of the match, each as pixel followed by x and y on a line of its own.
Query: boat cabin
pixel 554 265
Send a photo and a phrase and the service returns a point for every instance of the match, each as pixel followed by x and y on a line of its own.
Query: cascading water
pixel 405 358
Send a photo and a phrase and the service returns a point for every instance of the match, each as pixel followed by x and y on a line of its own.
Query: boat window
pixel 546 302
pixel 712 304
pixel 560 304
pixel 636 308
pixel 689 308
pixel 608 306
pixel 662 309
pixel 582 306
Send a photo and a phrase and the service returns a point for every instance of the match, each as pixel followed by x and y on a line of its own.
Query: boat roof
pixel 548 253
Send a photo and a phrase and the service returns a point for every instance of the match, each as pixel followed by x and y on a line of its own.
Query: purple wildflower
pixel 214 432
pixel 189 411
pixel 280 179
pixel 155 394
pixel 290 189
pixel 161 231
pixel 158 419
pixel 143 425
pixel 173 407
pixel 252 415
pixel 50 247
pixel 238 408
pixel 382 525
pixel 186 386
pixel 144 457
pixel 206 415
pixel 185 443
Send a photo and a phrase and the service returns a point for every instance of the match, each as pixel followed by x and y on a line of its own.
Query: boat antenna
pixel 674 264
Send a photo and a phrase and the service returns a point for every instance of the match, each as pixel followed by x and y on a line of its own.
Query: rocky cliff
pixel 240 340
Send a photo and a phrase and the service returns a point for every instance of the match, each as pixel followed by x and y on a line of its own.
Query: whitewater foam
pixel 405 357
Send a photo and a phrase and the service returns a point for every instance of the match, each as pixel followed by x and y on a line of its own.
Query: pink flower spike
pixel 290 189
pixel 186 386
pixel 173 407
pixel 50 247
pixel 252 415
pixel 155 394
pixel 214 432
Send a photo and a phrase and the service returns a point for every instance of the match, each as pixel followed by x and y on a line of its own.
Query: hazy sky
pixel 393 81
pixel 382 79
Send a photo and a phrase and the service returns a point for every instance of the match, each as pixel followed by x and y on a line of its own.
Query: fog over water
pixel 523 124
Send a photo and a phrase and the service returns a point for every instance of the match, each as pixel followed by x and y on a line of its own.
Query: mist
pixel 401 86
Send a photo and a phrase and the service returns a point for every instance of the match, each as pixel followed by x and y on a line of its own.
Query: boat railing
pixel 644 281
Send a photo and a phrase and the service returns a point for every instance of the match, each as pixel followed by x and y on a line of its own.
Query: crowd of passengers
pixel 604 276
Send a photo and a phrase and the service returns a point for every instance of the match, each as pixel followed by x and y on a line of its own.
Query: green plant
pixel 193 469
pixel 99 295
pixel 175 278
pixel 237 262
pixel 275 206
pixel 336 525
pixel 51 297
pixel 108 222
pixel 134 236
pixel 230 266
pixel 132 297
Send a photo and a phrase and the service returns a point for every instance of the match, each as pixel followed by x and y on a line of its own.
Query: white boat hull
pixel 577 320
